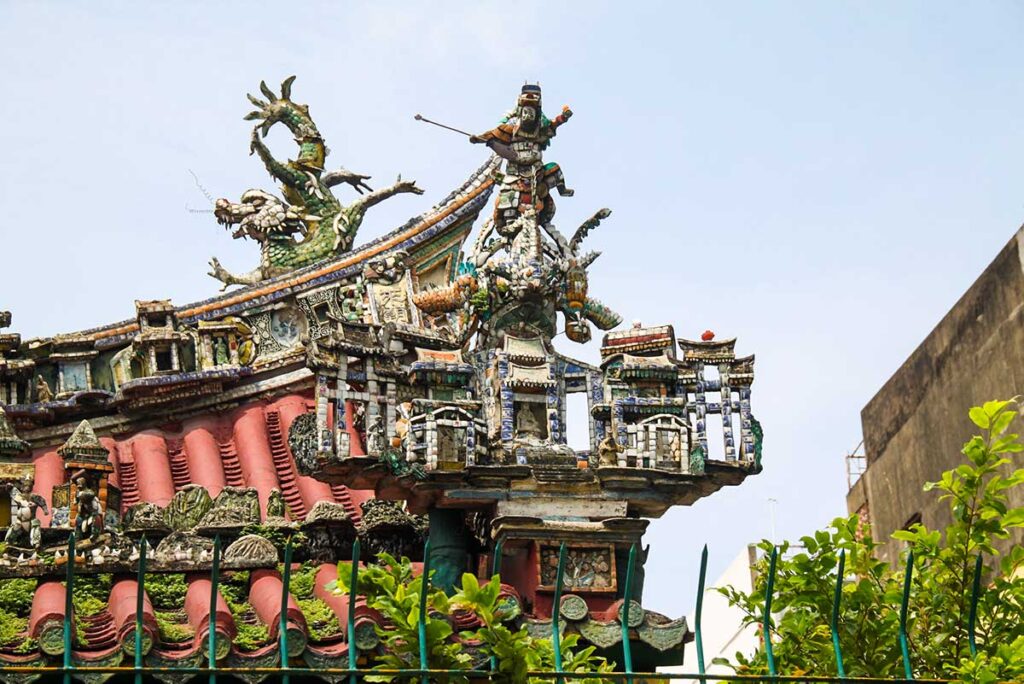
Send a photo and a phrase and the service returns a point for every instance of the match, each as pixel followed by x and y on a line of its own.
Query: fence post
pixel 496 562
pixel 766 625
pixel 69 588
pixel 907 671
pixel 353 650
pixel 496 570
pixel 699 642
pixel 973 618
pixel 421 627
pixel 211 629
pixel 556 634
pixel 282 628
pixel 139 603
pixel 627 650
pixel 837 597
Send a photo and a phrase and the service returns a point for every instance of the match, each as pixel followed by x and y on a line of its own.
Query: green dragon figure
pixel 758 432
pixel 309 208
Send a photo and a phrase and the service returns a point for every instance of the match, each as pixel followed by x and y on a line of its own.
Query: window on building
pixel 164 360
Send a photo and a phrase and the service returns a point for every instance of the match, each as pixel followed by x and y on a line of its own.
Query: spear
pixel 502 150
pixel 420 117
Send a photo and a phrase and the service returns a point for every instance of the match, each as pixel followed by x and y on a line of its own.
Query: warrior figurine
pixel 521 138
pixel 25 528
pixel 90 513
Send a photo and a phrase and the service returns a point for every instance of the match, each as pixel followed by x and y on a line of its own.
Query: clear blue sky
pixel 821 180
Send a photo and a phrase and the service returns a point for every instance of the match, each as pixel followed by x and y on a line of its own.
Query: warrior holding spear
pixel 521 138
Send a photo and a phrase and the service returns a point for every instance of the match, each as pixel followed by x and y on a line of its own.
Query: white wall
pixel 723 632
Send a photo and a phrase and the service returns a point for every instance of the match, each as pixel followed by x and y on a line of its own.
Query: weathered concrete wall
pixel 916 424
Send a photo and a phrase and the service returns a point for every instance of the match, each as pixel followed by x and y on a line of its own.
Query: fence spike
pixel 496 562
pixel 496 571
pixel 904 649
pixel 766 628
pixel 837 597
pixel 556 634
pixel 973 617
pixel 627 650
pixel 421 627
pixel 699 641
pixel 140 594
pixel 69 589
pixel 282 628
pixel 211 629
pixel 353 650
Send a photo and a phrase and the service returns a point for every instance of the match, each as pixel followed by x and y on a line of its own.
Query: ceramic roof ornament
pixel 309 209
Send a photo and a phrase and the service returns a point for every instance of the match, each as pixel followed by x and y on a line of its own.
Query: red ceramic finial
pixel 707 336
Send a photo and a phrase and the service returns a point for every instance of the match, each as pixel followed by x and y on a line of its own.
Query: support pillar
pixel 449 547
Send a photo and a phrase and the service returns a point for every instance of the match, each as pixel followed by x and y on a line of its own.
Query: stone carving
pixel 276 506
pixel 183 547
pixel 587 567
pixel 234 507
pixel 325 511
pixel 310 208
pixel 187 508
pixel 302 440
pixel 387 527
pixel 145 517
pixel 251 549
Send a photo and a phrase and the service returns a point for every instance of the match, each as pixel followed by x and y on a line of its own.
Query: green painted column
pixel 449 545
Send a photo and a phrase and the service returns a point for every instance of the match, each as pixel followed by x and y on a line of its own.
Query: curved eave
pixel 464 204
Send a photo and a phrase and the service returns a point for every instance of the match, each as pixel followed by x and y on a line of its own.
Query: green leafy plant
pixel 278 536
pixel 391 587
pixel 940 599
pixel 321 621
pixel 251 634
pixel 16 595
pixel 172 628
pixel 166 590
pixel 515 652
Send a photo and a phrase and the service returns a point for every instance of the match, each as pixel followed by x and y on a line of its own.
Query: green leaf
pixel 979 417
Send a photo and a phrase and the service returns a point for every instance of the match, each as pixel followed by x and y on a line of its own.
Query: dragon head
pixel 258 215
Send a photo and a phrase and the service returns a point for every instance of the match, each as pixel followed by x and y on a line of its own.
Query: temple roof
pixel 83 442
pixel 10 444
pixel 525 348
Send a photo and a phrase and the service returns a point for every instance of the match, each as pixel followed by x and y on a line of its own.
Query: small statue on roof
pixel 25 529
pixel 521 138
pixel 608 452
pixel 43 391
pixel 89 510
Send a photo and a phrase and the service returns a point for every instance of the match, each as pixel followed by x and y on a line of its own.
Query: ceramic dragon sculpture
pixel 506 271
pixel 309 209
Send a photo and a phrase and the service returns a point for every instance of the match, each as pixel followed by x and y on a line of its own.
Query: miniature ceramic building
pixel 159 343
pixel 381 392
pixel 88 465
pixel 15 373
pixel 73 355
pixel 644 405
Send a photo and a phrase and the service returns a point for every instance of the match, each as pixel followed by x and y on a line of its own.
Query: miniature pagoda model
pixel 382 393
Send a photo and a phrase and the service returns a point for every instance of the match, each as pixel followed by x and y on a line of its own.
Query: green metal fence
pixel 284 672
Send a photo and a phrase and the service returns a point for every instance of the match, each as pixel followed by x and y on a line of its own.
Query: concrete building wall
pixel 915 426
